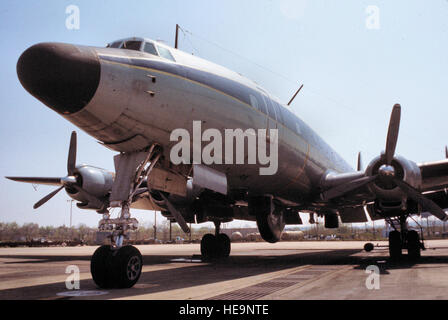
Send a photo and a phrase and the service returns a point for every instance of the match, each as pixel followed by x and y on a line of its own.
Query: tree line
pixel 28 232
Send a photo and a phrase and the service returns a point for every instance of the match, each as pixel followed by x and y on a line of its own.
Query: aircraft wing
pixel 434 175
pixel 349 192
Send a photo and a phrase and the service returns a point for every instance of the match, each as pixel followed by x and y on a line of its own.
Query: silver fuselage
pixel 130 110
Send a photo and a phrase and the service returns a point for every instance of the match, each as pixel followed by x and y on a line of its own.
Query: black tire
pixel 224 245
pixel 414 247
pixel 395 245
pixel 100 267
pixel 368 247
pixel 127 267
pixel 209 247
pixel 270 226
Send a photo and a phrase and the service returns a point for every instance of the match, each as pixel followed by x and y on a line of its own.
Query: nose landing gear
pixel 116 265
pixel 116 268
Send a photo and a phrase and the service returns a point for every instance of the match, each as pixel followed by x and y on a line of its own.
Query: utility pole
pixel 71 211
pixel 155 226
pixel 176 41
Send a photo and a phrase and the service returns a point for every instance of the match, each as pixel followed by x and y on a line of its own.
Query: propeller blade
pixel 392 134
pixel 71 161
pixel 446 152
pixel 38 180
pixel 342 189
pixel 359 166
pixel 427 204
pixel 47 197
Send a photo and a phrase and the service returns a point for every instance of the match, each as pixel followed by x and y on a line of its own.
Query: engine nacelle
pixel 95 181
pixel 389 196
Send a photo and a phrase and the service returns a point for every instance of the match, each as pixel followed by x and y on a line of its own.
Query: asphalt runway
pixel 286 271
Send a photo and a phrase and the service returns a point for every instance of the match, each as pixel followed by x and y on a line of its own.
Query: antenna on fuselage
pixel 295 95
pixel 176 41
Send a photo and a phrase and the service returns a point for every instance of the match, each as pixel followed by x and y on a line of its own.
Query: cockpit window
pixel 115 44
pixel 132 45
pixel 150 48
pixel 165 53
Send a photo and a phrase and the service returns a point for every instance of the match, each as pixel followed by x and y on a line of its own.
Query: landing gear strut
pixel 403 238
pixel 115 265
pixel 215 246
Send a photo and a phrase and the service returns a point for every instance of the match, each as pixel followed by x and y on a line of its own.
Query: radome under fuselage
pixel 142 98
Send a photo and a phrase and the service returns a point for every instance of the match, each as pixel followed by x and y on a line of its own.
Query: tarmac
pixel 327 270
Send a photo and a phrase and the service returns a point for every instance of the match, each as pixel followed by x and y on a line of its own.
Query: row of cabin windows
pixel 147 47
pixel 270 108
pixel 275 111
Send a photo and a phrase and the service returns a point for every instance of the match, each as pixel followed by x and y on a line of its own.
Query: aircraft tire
pixel 270 226
pixel 127 267
pixel 414 248
pixel 368 247
pixel 224 245
pixel 100 267
pixel 395 245
pixel 209 247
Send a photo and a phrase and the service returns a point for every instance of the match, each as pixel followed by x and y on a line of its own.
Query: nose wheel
pixel 119 266
pixel 116 268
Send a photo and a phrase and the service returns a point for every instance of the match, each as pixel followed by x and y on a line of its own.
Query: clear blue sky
pixel 352 76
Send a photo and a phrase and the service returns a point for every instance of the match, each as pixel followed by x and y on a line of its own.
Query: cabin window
pixel 150 48
pixel 132 45
pixel 278 110
pixel 165 53
pixel 298 130
pixel 289 120
pixel 261 103
pixel 271 109
pixel 254 102
pixel 115 44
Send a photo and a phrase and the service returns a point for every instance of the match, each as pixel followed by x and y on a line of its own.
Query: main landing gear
pixel 403 238
pixel 116 265
pixel 215 246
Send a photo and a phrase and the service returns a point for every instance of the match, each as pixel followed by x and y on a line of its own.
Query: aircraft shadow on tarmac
pixel 235 267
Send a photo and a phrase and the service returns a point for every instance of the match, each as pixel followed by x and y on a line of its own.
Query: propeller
pixel 392 134
pixel 67 181
pixel 359 163
pixel 386 173
pixel 70 179
pixel 47 197
pixel 71 160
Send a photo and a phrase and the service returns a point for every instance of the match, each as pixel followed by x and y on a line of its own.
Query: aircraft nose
pixel 62 76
